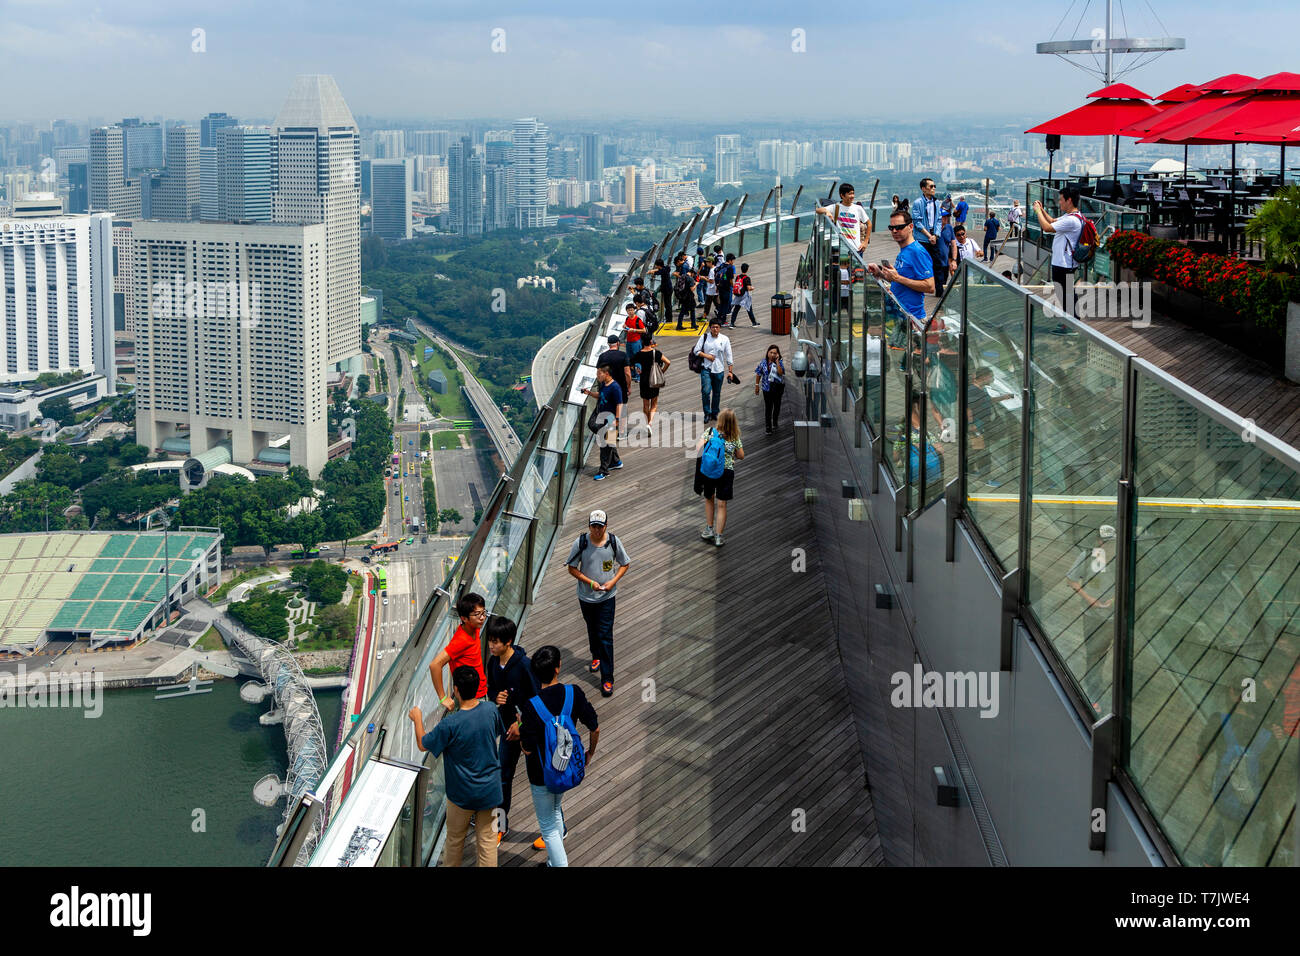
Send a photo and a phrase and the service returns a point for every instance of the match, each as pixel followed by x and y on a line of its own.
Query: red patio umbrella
pixel 1113 109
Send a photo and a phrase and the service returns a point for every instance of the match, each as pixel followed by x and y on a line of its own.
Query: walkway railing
pixel 1109 218
pixel 379 781
pixel 1148 537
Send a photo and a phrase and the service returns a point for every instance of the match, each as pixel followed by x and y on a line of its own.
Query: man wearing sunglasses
pixel 911 277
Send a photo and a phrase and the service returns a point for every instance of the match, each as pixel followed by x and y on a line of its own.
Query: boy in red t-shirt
pixel 464 647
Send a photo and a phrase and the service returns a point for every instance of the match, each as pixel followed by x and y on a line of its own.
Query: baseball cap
pixel 598 517
pixel 612 339
pixel 1106 532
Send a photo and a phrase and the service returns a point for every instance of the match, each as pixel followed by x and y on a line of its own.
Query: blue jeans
pixel 599 617
pixel 550 819
pixel 711 380
pixel 632 349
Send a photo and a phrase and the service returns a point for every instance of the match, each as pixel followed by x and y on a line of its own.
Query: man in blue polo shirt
pixel 959 211
pixel 911 278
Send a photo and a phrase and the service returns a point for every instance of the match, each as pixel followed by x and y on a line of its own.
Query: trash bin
pixel 781 303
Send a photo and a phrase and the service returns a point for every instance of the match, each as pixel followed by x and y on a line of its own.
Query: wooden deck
pixel 729 739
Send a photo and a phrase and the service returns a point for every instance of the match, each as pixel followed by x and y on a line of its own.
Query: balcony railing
pixel 1148 537
pixel 379 763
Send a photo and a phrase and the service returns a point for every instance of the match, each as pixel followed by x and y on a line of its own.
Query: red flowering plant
pixel 1252 292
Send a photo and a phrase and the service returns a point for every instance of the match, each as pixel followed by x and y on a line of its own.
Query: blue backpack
pixel 1235 793
pixel 564 763
pixel 713 460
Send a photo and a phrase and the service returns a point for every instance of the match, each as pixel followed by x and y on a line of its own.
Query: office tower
pixel 110 190
pixel 209 125
pixel 209 188
pixel 243 361
pixel 427 142
pixel 497 152
pixel 316 177
pixel 142 144
pixel 243 155
pixel 436 185
pixel 176 197
pixel 390 198
pixel 64 156
pixel 56 296
pixel 496 198
pixel 465 188
pixel 645 190
pixel 562 162
pixel 365 178
pixel 528 162
pixel 610 152
pixel 592 161
pixel 726 159
pixel 78 187
pixel 629 188
pixel 389 144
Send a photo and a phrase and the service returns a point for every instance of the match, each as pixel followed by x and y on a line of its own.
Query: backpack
pixel 722 276
pixel 713 459
pixel 1088 241
pixel 738 285
pixel 564 763
pixel 582 543
pixel 681 282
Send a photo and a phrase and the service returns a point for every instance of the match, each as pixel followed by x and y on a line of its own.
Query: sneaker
pixel 539 844
pixel 594 665
pixel 717 540
pixel 993 484
pixel 599 476
pixel 607 689
pixel 616 466
pixel 768 429
pixel 1061 330
pixel 753 323
pixel 707 533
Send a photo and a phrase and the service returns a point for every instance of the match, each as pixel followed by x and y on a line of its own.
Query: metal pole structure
pixel 776 286
pixel 1110 78
pixel 167 575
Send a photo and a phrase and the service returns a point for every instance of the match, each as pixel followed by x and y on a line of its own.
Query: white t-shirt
pixel 968 250
pixel 712 287
pixel 851 220
pixel 1068 229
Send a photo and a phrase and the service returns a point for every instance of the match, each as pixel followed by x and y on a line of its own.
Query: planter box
pixel 1267 345
pixel 1292 365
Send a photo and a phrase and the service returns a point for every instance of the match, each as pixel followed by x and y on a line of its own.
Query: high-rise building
pixel 562 162
pixel 56 296
pixel 528 166
pixel 64 156
pixel 209 187
pixel 243 174
pixel 390 198
pixel 316 177
pixel 465 188
pixel 209 125
pixel 436 185
pixel 610 152
pixel 176 196
pixel 142 144
pixel 389 144
pixel 428 142
pixel 242 362
pixel 592 161
pixel 79 187
pixel 496 197
pixel 110 190
pixel 726 159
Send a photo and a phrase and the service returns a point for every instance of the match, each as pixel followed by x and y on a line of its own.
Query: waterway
pixel 148 783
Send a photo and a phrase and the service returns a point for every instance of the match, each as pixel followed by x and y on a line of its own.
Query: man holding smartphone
pixel 911 278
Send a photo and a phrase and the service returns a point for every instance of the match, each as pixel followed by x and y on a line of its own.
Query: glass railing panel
pixel 1076 447
pixel 995 342
pixel 435 806
pixel 1216 641
pixel 874 352
pixel 894 355
pixel 941 358
pixel 503 543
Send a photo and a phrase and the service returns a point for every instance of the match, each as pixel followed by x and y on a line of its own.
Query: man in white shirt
pixel 853 221
pixel 963 247
pixel 1065 231
pixel 1013 218
pixel 715 349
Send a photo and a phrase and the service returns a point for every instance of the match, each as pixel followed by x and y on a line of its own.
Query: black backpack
pixel 681 282
pixel 724 274
pixel 582 543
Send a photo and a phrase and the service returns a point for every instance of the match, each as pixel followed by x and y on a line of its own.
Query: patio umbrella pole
pixel 1184 164
pixel 1282 171
pixel 1232 201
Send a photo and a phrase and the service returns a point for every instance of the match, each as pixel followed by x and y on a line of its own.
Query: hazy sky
pixel 567 60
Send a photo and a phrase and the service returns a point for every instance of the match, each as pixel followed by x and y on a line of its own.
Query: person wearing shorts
pixel 718 491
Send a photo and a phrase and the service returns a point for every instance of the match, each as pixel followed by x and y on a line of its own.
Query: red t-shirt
pixel 634 326
pixel 464 649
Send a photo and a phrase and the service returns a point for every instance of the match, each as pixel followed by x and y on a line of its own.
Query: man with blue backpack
pixel 552 747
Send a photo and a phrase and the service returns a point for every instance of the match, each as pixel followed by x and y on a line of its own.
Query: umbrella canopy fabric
pixel 1180 94
pixel 1273 83
pixel 1101 117
pixel 1149 129
pixel 1242 122
pixel 1118 91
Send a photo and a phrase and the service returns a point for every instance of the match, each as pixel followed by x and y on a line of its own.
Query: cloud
pixel 984 38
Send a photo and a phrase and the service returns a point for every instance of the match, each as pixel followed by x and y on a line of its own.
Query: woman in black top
pixel 646 359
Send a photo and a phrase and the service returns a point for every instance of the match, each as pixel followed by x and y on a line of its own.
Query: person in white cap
pixel 1092 577
pixel 598 560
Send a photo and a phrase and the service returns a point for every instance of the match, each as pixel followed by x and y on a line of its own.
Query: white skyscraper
pixel 528 171
pixel 726 159
pixel 231 335
pixel 56 296
pixel 316 177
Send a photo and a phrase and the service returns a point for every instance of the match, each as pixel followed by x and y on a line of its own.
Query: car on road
pixel 385 602
pixel 325 547
pixel 424 539
pixel 408 497
pixel 411 540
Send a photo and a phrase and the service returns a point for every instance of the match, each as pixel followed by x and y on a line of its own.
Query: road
pixel 503 436
pixel 553 358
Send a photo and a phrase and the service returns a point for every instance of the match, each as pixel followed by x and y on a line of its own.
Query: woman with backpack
pixel 769 376
pixel 652 364
pixel 715 471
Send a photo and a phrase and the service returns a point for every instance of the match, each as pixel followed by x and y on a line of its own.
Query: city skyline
pixel 507 55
